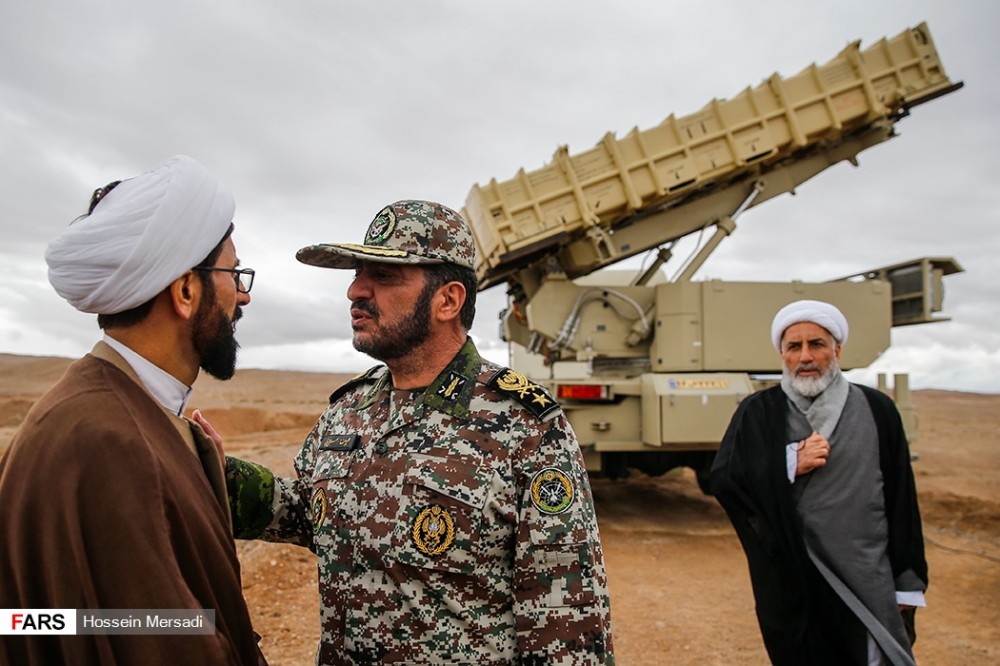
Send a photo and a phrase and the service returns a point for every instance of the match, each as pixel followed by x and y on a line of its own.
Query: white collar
pixel 169 391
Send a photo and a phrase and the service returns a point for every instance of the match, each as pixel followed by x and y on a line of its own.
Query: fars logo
pixel 16 621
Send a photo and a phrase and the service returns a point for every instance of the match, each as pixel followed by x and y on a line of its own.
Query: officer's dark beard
pixel 401 338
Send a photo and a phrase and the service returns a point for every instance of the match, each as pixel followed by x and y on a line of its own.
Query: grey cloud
pixel 316 114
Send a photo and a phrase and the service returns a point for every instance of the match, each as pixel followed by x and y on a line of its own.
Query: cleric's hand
pixel 812 453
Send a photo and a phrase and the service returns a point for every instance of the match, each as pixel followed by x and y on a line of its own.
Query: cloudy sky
pixel 317 113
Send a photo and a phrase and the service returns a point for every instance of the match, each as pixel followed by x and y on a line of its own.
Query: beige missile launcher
pixel 650 371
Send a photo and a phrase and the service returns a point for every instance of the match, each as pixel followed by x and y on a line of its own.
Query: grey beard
pixel 810 387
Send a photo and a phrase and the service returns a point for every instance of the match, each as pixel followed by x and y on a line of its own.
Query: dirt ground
pixel 678 579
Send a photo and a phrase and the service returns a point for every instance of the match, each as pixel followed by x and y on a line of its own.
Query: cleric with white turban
pixel 817 312
pixel 144 234
pixel 815 476
pixel 133 489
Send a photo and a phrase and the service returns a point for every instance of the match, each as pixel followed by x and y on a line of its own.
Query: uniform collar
pixel 450 392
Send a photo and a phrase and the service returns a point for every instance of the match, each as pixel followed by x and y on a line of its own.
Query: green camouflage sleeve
pixel 251 494
pixel 274 508
pixel 266 507
pixel 561 603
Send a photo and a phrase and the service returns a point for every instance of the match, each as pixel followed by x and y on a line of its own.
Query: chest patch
pixel 318 508
pixel 339 442
pixel 552 491
pixel 433 530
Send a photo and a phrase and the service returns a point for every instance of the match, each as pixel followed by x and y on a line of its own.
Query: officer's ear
pixel 448 301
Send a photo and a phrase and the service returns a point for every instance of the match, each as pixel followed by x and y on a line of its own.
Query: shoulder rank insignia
pixel 365 376
pixel 532 397
pixel 433 530
pixel 552 491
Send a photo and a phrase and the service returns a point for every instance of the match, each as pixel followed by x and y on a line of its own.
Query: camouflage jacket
pixel 452 525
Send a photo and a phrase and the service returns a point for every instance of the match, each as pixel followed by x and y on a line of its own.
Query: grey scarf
pixel 823 411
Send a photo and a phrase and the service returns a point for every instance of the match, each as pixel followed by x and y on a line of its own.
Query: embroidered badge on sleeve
pixel 552 491
pixel 318 506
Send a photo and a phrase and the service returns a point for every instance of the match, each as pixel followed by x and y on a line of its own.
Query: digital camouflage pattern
pixel 405 232
pixel 452 525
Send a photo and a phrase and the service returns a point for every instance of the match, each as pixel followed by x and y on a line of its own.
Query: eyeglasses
pixel 243 277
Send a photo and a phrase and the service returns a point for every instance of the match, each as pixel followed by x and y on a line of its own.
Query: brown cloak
pixel 104 505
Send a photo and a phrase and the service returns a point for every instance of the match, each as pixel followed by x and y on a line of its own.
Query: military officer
pixel 445 496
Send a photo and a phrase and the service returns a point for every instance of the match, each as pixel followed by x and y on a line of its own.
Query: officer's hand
pixel 216 438
pixel 812 453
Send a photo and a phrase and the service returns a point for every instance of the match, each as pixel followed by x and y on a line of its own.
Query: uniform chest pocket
pixel 441 513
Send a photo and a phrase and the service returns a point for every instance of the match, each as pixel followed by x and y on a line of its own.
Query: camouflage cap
pixel 406 232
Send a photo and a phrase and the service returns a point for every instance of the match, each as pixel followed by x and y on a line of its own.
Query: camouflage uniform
pixel 453 524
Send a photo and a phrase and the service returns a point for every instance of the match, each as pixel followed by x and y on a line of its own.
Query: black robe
pixel 802 620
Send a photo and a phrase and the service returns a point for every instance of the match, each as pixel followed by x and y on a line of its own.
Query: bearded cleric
pixel 110 498
pixel 815 476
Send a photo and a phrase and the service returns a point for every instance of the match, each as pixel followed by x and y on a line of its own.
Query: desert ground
pixel 679 587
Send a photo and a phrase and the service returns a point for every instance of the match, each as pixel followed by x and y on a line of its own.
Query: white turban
pixel 817 312
pixel 142 236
